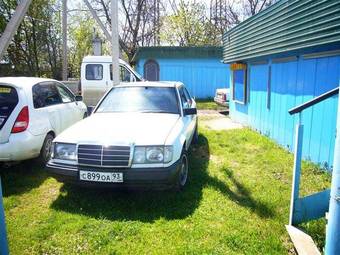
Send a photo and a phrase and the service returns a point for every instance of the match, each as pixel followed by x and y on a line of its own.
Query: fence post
pixel 296 169
pixel 333 225
pixel 3 235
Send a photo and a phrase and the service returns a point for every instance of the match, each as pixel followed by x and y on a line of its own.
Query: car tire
pixel 182 177
pixel 195 136
pixel 85 115
pixel 45 152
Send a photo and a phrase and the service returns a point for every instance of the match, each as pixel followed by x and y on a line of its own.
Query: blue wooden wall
pixel 201 76
pixel 293 83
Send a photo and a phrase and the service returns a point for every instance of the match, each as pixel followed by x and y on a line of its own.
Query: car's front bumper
pixel 158 177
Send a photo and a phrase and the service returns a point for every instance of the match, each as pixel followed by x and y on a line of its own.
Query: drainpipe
pixel 333 225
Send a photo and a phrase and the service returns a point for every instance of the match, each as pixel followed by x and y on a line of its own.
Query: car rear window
pixel 8 101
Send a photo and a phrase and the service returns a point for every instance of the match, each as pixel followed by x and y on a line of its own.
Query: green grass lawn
pixel 236 202
pixel 208 104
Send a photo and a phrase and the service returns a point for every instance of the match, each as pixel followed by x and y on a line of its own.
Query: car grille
pixel 105 156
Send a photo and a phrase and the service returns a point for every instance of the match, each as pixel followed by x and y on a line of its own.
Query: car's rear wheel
pixel 46 150
pixel 183 173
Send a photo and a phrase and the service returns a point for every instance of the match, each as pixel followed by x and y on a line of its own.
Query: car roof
pixel 23 82
pixel 100 59
pixel 164 84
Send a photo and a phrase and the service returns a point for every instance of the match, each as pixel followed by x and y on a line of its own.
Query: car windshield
pixel 140 99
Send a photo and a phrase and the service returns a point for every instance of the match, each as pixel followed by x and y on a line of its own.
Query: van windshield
pixel 140 99
pixel 8 101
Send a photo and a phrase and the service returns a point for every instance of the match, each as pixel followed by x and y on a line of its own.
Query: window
pixel 188 96
pixel 185 99
pixel 151 70
pixel 45 94
pixel 66 96
pixel 124 74
pixel 239 72
pixel 94 72
pixel 8 101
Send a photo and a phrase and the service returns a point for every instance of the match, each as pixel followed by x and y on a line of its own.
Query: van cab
pixel 96 77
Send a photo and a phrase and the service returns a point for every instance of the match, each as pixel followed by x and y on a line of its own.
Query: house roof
pixel 178 52
pixel 286 26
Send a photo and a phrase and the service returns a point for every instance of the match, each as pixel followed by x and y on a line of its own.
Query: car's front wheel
pixel 183 172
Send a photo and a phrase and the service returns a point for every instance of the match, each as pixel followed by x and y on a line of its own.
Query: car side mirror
pixel 79 98
pixel 190 111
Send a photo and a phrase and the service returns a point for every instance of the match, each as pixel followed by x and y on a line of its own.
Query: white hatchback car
pixel 32 112
pixel 138 135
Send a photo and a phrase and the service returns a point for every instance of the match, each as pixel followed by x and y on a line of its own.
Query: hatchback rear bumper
pixel 132 177
pixel 21 146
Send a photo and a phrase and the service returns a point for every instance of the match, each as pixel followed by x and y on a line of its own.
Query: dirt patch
pixel 216 120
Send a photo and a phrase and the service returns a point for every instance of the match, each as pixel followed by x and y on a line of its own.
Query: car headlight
pixel 152 154
pixel 65 151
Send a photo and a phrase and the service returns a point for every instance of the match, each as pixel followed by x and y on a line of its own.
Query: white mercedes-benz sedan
pixel 32 112
pixel 138 135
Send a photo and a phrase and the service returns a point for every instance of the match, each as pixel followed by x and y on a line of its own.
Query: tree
pixel 251 7
pixel 188 26
pixel 35 48
pixel 223 15
pixel 80 32
pixel 139 23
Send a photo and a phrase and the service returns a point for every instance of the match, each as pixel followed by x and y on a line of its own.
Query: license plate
pixel 5 90
pixel 100 176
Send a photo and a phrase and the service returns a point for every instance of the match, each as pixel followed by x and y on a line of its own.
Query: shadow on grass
pixel 147 206
pixel 241 196
pixel 21 178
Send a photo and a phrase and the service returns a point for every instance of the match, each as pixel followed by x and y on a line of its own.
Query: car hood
pixel 121 128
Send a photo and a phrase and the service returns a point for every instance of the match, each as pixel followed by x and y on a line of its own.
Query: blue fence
pixel 201 76
pixel 274 88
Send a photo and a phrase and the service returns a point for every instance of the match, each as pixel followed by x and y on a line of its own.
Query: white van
pixel 96 77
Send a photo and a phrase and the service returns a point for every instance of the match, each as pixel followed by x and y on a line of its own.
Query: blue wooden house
pixel 199 68
pixel 280 58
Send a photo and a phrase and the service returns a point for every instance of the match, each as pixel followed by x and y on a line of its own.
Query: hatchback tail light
pixel 22 121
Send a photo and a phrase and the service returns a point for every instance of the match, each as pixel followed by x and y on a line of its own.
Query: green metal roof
pixel 178 52
pixel 285 26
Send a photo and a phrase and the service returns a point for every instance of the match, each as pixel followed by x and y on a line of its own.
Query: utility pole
pixel 64 28
pixel 13 25
pixel 115 42
pixel 333 225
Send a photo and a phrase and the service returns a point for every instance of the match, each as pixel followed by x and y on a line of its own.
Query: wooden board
pixel 303 243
